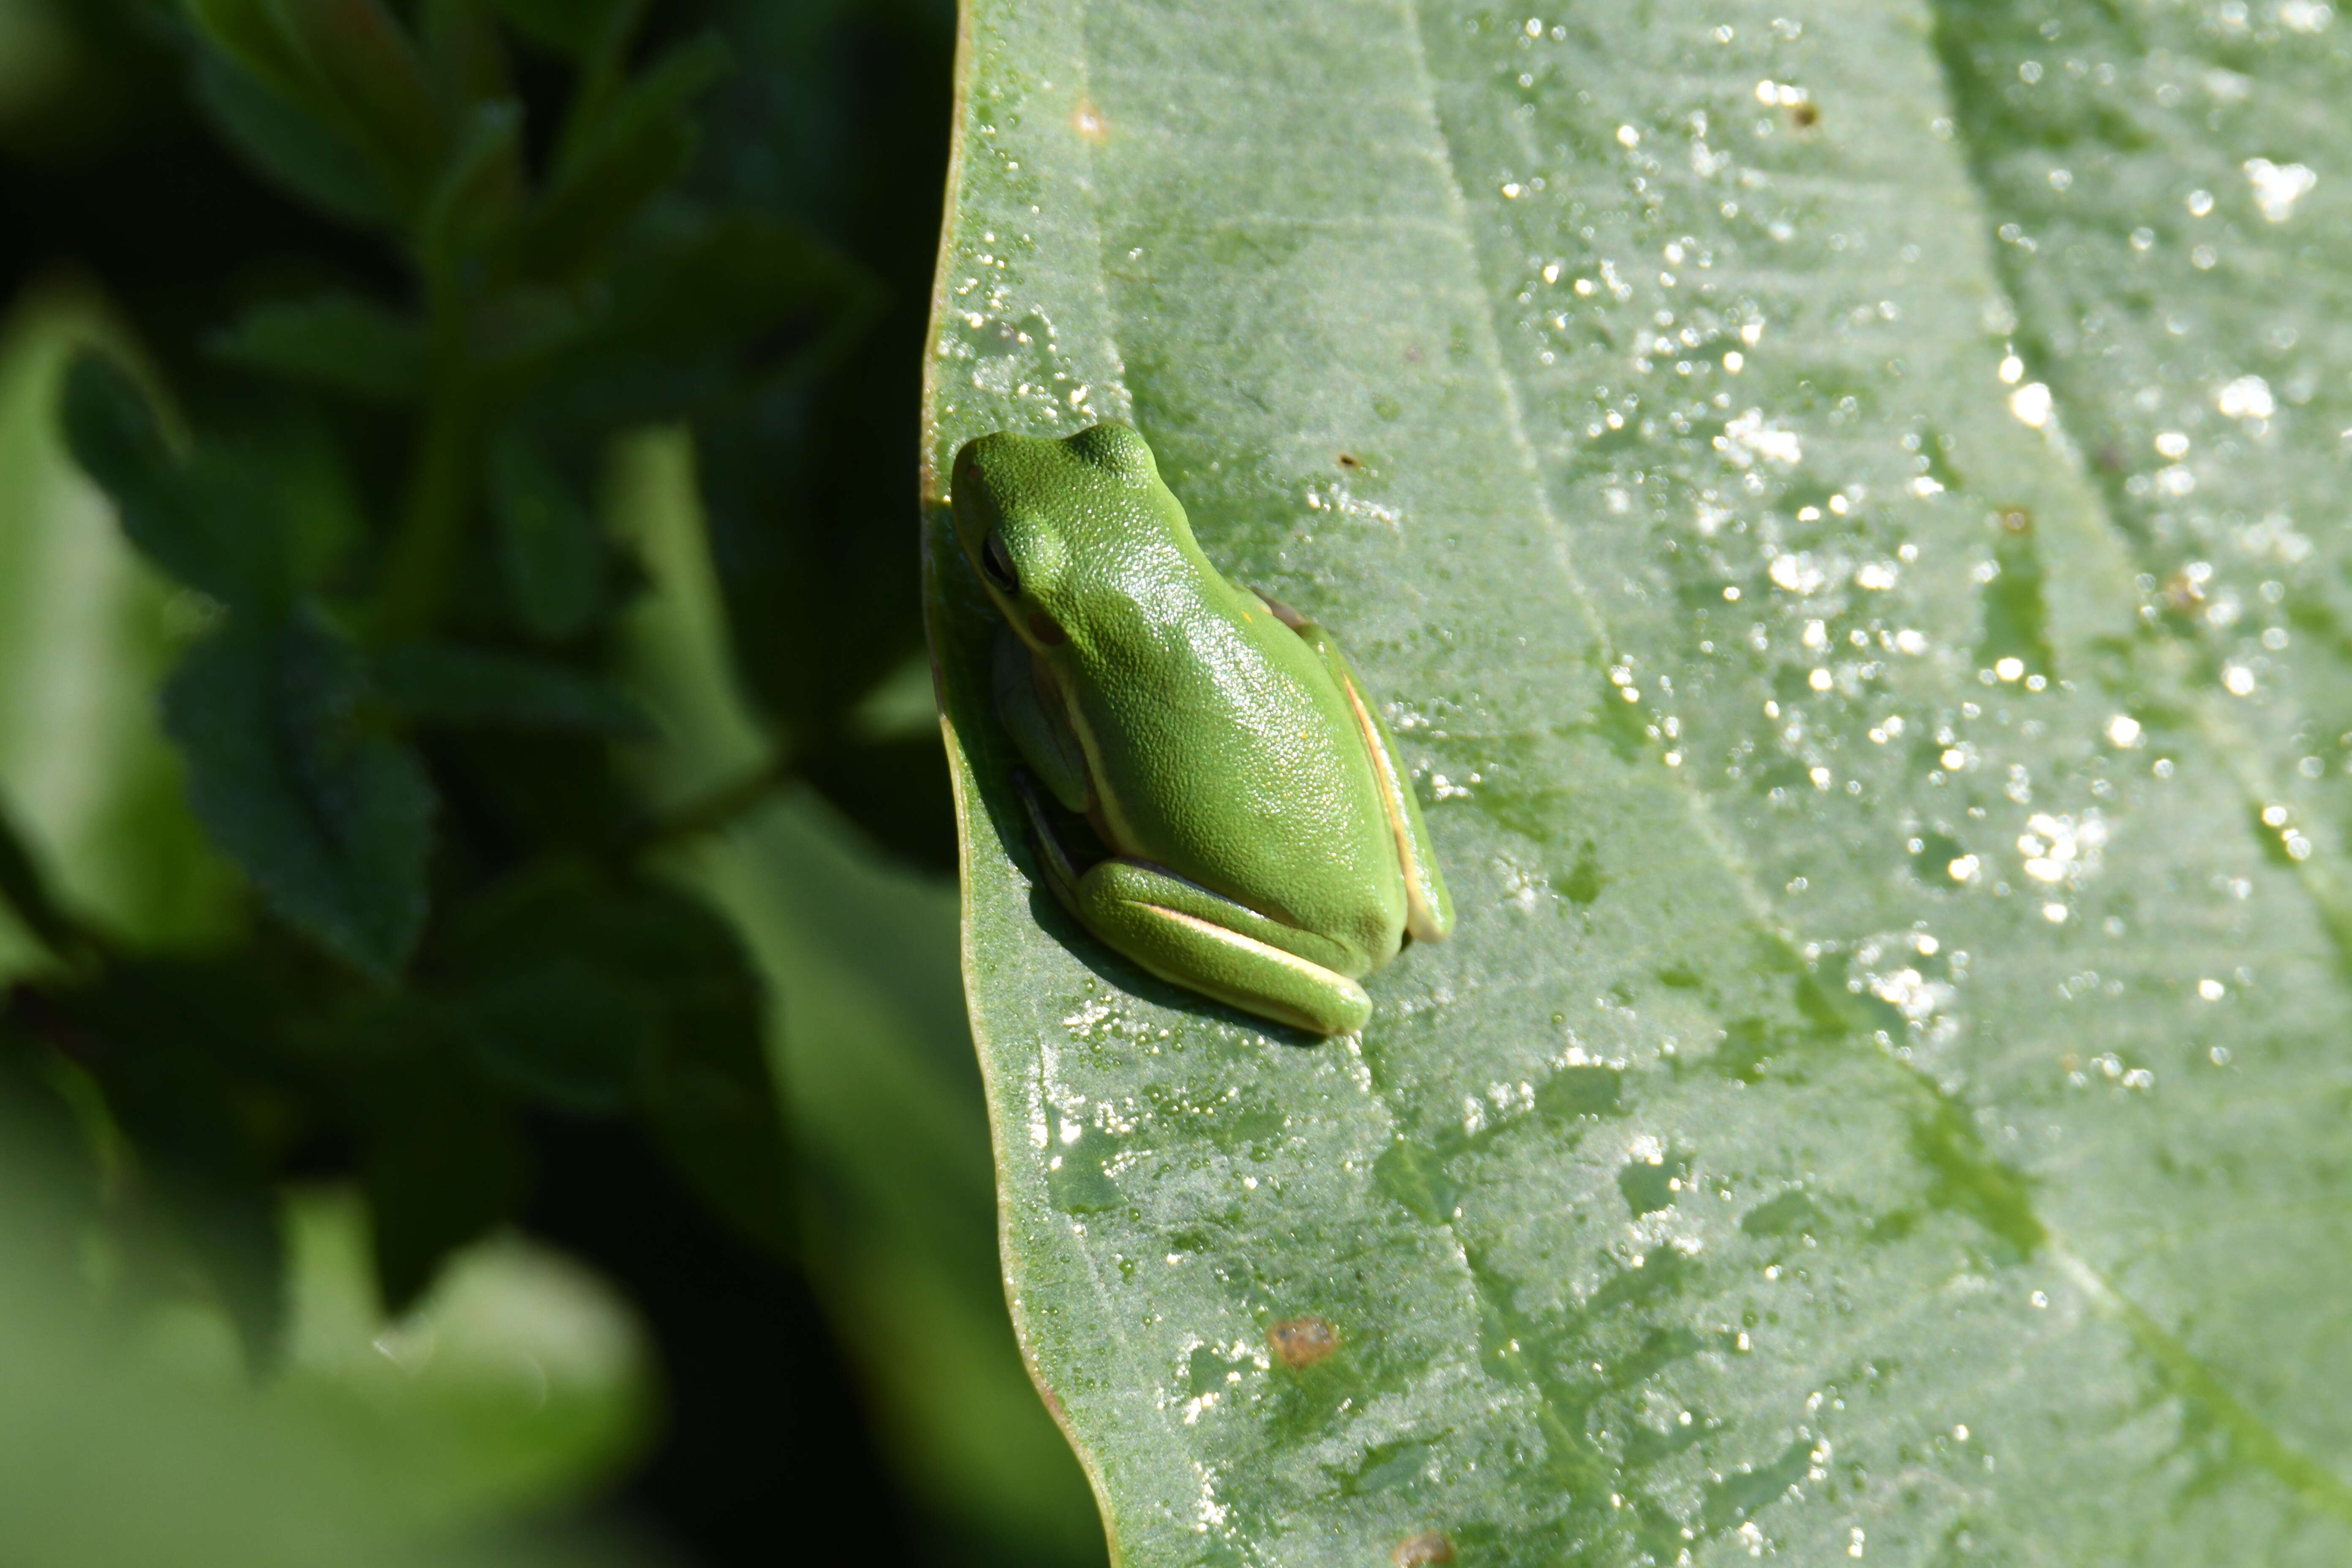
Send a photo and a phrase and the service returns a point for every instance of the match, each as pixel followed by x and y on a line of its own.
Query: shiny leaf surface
pixel 1841 504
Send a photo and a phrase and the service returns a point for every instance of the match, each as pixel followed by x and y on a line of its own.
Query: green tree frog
pixel 1259 839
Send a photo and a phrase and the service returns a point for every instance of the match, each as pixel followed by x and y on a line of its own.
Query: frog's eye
pixel 997 566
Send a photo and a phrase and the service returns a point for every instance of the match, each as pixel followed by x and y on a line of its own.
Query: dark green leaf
pixel 468 59
pixel 229 1223
pixel 342 341
pixel 436 683
pixel 568 26
pixel 642 143
pixel 705 306
pixel 442 1162
pixel 40 1129
pixel 316 499
pixel 310 159
pixel 252 33
pixel 765 291
pixel 518 326
pixel 712 1102
pixel 564 1030
pixel 584 980
pixel 330 819
pixel 180 1049
pixel 550 541
pixel 211 522
pixel 367 65
pixel 478 193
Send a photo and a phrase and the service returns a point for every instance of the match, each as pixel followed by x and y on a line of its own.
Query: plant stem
pixel 721 808
pixel 423 556
pixel 601 74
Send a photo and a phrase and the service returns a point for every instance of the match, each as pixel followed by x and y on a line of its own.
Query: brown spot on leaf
pixel 1427 1547
pixel 1349 461
pixel 1090 123
pixel 2016 520
pixel 1303 1341
pixel 1806 113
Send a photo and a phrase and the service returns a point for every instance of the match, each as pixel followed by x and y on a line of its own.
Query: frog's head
pixel 1044 521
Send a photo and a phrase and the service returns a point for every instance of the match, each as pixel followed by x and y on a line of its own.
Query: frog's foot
pixel 1200 939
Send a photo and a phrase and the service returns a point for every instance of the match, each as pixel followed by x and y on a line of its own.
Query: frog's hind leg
pixel 1184 933
pixel 1429 909
pixel 1200 939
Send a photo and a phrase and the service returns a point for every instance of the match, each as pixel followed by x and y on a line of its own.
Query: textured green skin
pixel 1265 847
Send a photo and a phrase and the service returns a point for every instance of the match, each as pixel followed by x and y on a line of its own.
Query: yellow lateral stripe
pixel 1230 938
pixel 1390 783
pixel 1391 797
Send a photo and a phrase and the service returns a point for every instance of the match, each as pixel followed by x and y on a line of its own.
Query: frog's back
pixel 1244 764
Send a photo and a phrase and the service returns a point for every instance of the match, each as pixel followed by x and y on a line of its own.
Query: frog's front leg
pixel 1200 939
pixel 1429 909
pixel 1033 715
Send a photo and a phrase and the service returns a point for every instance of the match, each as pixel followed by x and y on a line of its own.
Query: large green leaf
pixel 1885 1097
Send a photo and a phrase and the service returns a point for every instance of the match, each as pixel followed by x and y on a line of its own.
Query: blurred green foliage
pixel 493 744
pixel 108 1458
